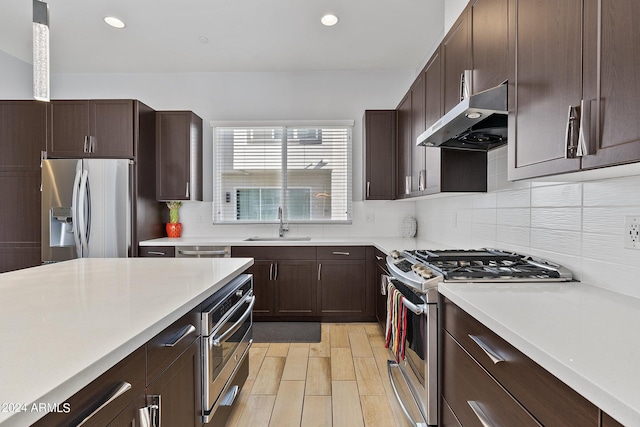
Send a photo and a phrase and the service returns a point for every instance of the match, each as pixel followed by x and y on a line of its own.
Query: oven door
pixel 415 379
pixel 223 351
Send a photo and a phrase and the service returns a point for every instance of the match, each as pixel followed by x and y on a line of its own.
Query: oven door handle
pixel 217 341
pixel 418 309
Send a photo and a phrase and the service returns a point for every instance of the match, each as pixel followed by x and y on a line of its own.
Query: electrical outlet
pixel 632 232
pixel 370 217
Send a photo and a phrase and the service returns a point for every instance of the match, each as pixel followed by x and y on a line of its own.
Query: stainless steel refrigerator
pixel 86 208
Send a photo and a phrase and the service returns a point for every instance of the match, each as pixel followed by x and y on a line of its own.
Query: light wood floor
pixel 341 381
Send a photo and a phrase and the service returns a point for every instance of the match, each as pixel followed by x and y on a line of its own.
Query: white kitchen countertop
pixel 584 335
pixel 385 244
pixel 62 325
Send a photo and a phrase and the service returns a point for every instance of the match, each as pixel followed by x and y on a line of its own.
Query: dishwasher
pixel 203 251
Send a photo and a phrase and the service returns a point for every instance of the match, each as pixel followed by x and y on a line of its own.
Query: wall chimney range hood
pixel 478 122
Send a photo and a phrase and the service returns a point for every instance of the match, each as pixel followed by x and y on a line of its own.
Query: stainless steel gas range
pixel 413 283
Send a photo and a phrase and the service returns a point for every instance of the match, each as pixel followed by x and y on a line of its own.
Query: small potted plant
pixel 174 228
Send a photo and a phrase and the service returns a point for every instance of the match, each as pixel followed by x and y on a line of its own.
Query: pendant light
pixel 40 51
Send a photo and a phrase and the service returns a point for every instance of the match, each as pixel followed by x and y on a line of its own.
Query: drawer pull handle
pixel 156 253
pixel 495 357
pixel 482 417
pixel 184 332
pixel 341 253
pixel 379 258
pixel 230 396
pixel 118 391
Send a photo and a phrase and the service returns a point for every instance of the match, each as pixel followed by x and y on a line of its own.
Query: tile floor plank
pixel 323 348
pixel 345 404
pixel 295 367
pixel 256 356
pixel 257 412
pixel 339 335
pixel 278 349
pixel 360 346
pixel 368 377
pixel 318 377
pixel 268 379
pixel 317 412
pixel 377 411
pixel 287 410
pixel 342 365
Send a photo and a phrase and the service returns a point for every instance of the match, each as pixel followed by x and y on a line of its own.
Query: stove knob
pixel 426 273
pixel 394 254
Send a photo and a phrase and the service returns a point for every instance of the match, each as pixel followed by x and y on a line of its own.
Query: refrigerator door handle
pixel 84 221
pixel 75 212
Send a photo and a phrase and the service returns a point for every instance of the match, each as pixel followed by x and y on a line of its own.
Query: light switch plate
pixel 632 232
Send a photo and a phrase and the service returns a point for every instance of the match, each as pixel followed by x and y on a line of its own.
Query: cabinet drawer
pixel 87 401
pixel 466 384
pixel 447 417
pixel 275 252
pixel 165 347
pixel 157 251
pixel 380 258
pixel 341 252
pixel 551 401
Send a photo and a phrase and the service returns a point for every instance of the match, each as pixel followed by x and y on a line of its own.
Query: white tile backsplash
pixel 577 224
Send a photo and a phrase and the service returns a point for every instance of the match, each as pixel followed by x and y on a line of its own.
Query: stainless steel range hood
pixel 478 122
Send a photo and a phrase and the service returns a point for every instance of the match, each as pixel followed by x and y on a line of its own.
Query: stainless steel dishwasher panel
pixel 203 251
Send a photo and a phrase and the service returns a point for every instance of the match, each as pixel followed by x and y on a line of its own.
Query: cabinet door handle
pixel 341 253
pixel 479 413
pixel 495 357
pixel 319 271
pixel 118 391
pixel 368 189
pixel 271 271
pixel 379 258
pixel 571 149
pixel 150 415
pixel 156 253
pixel 187 192
pixel 585 128
pixel 407 185
pixel 86 144
pixel 184 332
pixel 422 180
pixel 92 144
pixel 275 277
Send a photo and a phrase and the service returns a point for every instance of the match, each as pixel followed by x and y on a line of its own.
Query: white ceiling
pixel 244 35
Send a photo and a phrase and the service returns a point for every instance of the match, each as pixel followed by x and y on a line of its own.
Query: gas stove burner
pixel 478 265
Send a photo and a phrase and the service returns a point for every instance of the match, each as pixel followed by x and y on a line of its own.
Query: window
pixel 306 170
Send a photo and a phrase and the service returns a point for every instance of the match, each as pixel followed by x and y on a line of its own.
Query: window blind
pixel 306 170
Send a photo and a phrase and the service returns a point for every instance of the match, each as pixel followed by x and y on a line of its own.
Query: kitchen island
pixel 63 325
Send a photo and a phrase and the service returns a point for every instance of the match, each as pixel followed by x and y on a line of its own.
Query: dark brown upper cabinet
pixel 612 67
pixel 489 43
pixel 23 137
pixel 380 154
pixel 456 59
pixel 567 58
pixel 179 155
pixel 433 111
pixel 405 148
pixel 91 128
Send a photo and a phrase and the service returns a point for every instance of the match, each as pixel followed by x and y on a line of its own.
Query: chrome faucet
pixel 283 227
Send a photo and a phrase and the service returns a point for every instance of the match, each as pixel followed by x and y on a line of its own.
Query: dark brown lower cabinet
pixel 469 375
pixel 474 395
pixel 87 403
pixel 379 286
pixel 284 281
pixel 607 421
pixel 130 416
pixel 178 389
pixel 343 289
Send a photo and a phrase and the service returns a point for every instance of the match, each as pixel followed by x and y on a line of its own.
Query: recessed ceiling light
pixel 114 22
pixel 203 39
pixel 329 20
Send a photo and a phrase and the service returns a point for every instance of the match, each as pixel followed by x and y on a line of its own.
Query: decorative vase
pixel 174 229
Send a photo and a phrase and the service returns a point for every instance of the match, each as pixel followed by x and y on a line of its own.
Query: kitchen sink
pixel 277 239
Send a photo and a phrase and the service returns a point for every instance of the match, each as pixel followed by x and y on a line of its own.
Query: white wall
pixel 577 224
pixel 452 10
pixel 244 96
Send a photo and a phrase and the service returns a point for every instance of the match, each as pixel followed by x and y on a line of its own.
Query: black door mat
pixel 267 332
